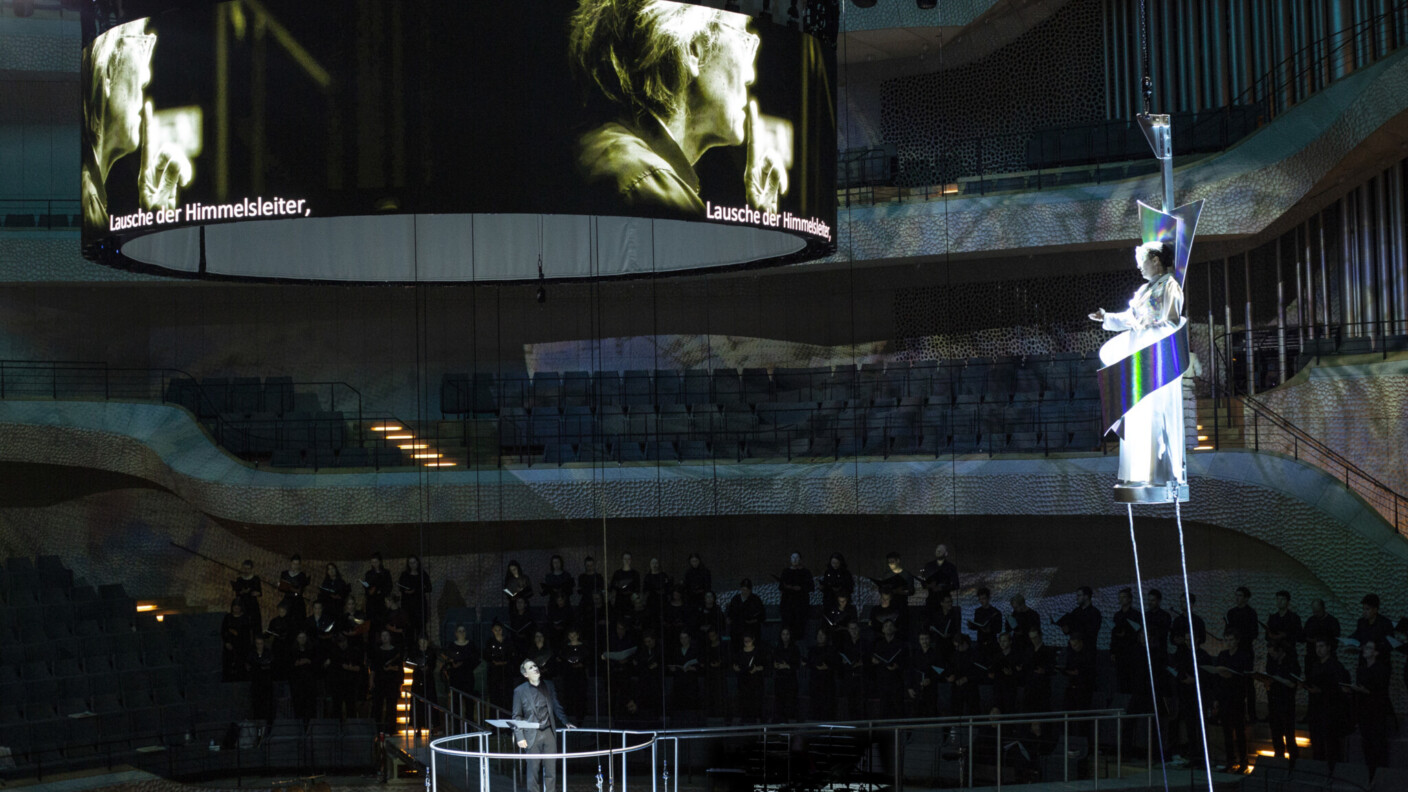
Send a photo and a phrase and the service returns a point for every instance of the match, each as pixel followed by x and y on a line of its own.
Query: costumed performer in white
pixel 1151 432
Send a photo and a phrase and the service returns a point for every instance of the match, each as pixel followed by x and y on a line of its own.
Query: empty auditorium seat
pixel 286 458
pixel 41 690
pixel 20 572
pixel 824 446
pixel 76 687
pixel 1023 442
pixel 762 448
pixel 70 706
pixel 44 651
pixel 695 387
pixel 176 718
pixel 614 427
pixel 277 395
pixel 46 740
pixel 145 727
pixel 389 458
pixel 674 423
pixel 547 389
pixel 964 442
pixel 512 389
pixel 558 454
pixel 52 574
pixel 783 415
pixel 246 396
pixel 1083 441
pixel 660 451
pixel 30 625
pixel 669 387
pixel 354 458
pixel 605 388
pixel 757 385
pixel 588 451
pixel 850 445
pixel 576 388
pixel 797 384
pixel 694 449
pixel 103 682
pixel 628 451
pixel 637 388
pixel 727 385
pixel 578 425
pixel 543 429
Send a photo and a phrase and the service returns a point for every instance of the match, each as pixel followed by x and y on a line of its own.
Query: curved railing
pixel 1078 744
pixel 482 756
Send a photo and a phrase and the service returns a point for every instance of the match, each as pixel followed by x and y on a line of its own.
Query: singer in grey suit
pixel 536 701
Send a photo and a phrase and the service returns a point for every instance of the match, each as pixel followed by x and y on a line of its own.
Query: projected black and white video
pixel 276 123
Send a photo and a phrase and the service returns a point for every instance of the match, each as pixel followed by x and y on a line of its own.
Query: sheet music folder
pixel 513 724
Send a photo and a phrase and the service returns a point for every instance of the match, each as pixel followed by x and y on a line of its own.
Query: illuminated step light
pixel 1202 448
pixel 387 428
pixel 161 617
pixel 426 455
pixel 439 464
pixel 1200 427
pixel 403 707
pixel 1202 438
pixel 145 607
pixel 400 437
pixel 950 189
pixel 403 720
pixel 413 446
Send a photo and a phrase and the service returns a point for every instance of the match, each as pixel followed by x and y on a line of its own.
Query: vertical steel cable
pixel 1193 644
pixel 1148 654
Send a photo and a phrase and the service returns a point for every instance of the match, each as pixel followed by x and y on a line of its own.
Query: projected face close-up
pixel 719 100
pixel 128 77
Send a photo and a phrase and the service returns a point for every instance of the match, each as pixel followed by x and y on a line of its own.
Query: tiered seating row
pixel 926 408
pixel 964 381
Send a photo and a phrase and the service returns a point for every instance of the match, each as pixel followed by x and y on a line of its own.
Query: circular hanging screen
pixel 411 140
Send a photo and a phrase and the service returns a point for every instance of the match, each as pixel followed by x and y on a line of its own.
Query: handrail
pixel 1396 511
pixel 1264 423
pixel 473 709
pixel 885 723
pixel 970 746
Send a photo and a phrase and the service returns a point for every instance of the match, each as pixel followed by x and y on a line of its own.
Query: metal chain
pixel 1148 81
